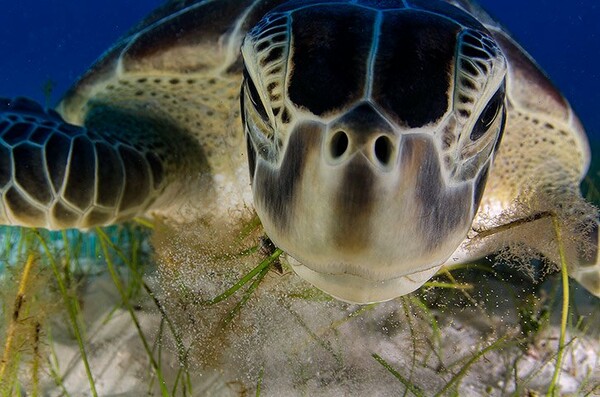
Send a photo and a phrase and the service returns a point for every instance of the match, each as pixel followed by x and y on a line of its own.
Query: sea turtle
pixel 364 140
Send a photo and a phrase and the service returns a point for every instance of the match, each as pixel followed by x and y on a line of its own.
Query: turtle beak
pixel 356 198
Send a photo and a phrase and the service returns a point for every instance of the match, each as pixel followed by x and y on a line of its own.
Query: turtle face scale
pixel 371 127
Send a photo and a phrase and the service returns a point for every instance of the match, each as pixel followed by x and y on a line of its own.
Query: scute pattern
pixel 412 75
pixel 57 150
pixel 352 67
pixel 17 203
pixel 110 176
pixel 477 55
pixel 329 73
pixel 137 177
pixel 82 169
pixel 57 175
pixel 29 178
pixel 271 46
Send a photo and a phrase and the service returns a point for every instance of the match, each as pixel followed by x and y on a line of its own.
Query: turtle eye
pixel 255 97
pixel 489 115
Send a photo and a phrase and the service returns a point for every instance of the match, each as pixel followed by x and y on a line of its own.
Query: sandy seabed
pixel 279 336
pixel 296 346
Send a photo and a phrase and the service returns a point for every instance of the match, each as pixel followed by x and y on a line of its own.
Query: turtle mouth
pixel 358 289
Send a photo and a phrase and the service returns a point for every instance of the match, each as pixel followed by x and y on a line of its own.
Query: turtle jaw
pixel 356 226
pixel 359 290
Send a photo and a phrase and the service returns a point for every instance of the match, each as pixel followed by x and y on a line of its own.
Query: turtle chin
pixel 356 289
pixel 358 230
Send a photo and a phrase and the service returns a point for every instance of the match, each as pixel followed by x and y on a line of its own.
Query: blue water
pixel 57 39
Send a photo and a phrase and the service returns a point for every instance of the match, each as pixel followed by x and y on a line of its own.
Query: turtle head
pixel 370 135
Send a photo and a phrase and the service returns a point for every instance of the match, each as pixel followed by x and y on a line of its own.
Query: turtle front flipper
pixel 587 271
pixel 56 175
pixel 521 234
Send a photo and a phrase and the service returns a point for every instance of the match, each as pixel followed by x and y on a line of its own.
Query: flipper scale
pixel 56 175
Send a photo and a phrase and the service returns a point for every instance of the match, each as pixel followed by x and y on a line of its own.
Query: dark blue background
pixel 57 39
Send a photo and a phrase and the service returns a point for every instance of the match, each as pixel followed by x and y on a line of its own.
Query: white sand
pixel 292 343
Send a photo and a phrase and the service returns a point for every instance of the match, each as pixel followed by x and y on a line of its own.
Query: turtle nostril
pixel 339 144
pixel 383 149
